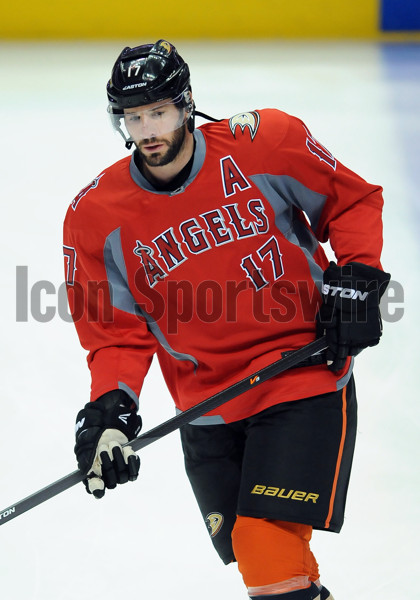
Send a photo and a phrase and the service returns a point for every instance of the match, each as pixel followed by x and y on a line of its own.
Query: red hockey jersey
pixel 222 275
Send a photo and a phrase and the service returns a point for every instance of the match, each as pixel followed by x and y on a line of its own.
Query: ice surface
pixel 147 540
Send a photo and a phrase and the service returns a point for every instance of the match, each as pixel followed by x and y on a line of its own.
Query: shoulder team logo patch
pixel 250 120
pixel 214 523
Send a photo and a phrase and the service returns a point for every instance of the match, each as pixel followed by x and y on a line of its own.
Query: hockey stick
pixel 279 366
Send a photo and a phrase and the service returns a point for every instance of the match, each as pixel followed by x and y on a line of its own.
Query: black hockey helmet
pixel 147 74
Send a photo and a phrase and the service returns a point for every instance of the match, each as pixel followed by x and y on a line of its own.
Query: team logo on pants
pixel 214 523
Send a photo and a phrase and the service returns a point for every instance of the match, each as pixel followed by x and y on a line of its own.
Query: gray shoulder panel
pixel 285 193
pixel 291 192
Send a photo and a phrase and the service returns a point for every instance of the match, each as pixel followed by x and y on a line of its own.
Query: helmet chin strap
pixel 191 120
pixel 204 116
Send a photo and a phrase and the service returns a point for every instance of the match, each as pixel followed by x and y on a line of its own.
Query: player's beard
pixel 159 159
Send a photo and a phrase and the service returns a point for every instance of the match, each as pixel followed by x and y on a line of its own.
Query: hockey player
pixel 203 248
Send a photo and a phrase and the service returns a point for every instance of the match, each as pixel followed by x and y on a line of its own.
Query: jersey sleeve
pixel 120 346
pixel 343 208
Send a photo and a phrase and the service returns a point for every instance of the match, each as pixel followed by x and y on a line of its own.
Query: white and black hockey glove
pixel 349 316
pixel 102 428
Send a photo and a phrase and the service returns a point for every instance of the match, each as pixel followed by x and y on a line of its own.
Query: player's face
pixel 158 131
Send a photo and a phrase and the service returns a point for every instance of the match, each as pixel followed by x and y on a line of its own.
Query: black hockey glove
pixel 349 315
pixel 102 428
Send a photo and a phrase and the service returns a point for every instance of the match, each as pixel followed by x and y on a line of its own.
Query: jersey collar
pixel 199 156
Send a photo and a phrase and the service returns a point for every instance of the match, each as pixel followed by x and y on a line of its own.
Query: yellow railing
pixel 215 19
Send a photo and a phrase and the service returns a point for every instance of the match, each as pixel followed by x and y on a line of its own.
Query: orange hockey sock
pixel 273 556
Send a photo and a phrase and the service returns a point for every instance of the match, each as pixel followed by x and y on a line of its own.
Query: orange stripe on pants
pixel 339 458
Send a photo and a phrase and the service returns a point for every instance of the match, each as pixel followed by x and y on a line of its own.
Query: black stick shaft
pixel 281 365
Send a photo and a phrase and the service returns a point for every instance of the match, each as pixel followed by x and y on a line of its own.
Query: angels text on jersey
pixel 211 229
